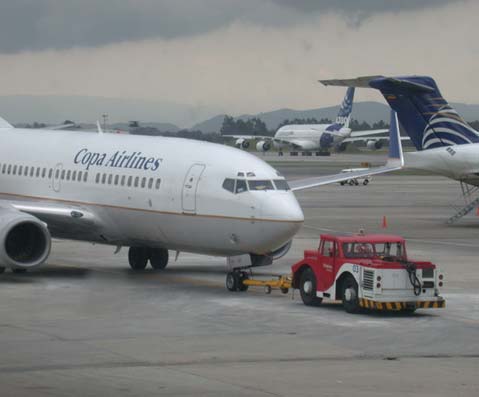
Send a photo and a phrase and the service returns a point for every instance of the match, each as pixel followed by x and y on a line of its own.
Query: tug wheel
pixel 241 286
pixel 284 290
pixel 349 295
pixel 307 288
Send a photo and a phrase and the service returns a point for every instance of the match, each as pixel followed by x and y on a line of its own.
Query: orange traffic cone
pixel 385 222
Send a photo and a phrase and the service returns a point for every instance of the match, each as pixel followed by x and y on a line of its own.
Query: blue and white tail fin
pixel 344 114
pixel 425 115
pixel 5 124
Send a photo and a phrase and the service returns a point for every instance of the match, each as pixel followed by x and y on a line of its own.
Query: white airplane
pixel 446 144
pixel 152 194
pixel 317 137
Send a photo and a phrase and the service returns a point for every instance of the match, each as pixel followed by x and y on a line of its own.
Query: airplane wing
pixel 61 217
pixel 395 162
pixel 248 136
pixel 358 136
pixel 59 127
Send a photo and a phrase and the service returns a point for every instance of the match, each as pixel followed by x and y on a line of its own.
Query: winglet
pixel 5 124
pixel 98 126
pixel 395 157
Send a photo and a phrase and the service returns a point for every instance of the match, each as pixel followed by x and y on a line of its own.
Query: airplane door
pixel 190 186
pixel 56 177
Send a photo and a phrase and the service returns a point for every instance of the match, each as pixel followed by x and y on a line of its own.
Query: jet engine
pixel 341 147
pixel 263 146
pixel 242 143
pixel 374 145
pixel 24 240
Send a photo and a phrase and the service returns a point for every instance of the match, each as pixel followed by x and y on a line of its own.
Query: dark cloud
pixel 59 24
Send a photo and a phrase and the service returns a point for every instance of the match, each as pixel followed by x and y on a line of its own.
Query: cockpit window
pixel 260 185
pixel 241 186
pixel 229 185
pixel 281 184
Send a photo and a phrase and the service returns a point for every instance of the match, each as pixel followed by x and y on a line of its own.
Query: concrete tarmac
pixel 86 325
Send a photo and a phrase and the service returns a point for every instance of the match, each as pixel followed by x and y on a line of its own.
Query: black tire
pixel 18 270
pixel 342 183
pixel 284 290
pixel 159 258
pixel 138 258
pixel 307 288
pixel 2 270
pixel 409 310
pixel 232 281
pixel 365 182
pixel 349 294
pixel 351 182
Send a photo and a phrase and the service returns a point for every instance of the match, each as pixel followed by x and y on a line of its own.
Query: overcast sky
pixel 235 56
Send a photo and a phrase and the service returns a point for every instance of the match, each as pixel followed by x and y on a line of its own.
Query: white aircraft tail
pixel 5 124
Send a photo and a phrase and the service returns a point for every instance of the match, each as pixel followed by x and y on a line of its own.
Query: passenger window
pixel 4 168
pixel 68 175
pixel 85 177
pixel 143 182
pixel 229 185
pixel 32 171
pixel 9 171
pixel 50 173
pixel 44 172
pixel 57 173
pixel 97 178
pixel 123 177
pixel 25 171
pixel 79 176
pixel 63 175
pixel 110 177
pixel 14 170
pixel 116 179
pixel 137 179
pixel 129 180
pixel 74 176
pixel 281 184
pixel 103 178
pixel 158 182
pixel 260 185
pixel 241 186
pixel 150 183
pixel 38 172
pixel 20 169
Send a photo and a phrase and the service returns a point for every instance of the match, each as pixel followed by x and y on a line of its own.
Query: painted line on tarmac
pixel 415 240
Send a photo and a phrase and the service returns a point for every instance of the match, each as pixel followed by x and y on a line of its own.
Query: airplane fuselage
pixel 459 162
pixel 147 191
pixel 309 136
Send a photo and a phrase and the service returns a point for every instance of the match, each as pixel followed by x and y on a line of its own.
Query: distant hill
pixel 56 109
pixel 363 111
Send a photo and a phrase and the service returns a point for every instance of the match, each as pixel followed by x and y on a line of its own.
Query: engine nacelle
pixel 263 146
pixel 242 143
pixel 25 241
pixel 374 145
pixel 341 147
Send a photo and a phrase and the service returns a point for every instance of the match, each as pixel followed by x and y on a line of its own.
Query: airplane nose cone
pixel 283 207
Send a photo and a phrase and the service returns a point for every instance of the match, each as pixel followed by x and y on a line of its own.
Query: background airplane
pixel 151 194
pixel 446 144
pixel 317 137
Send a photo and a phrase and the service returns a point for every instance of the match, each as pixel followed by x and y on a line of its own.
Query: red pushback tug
pixel 368 271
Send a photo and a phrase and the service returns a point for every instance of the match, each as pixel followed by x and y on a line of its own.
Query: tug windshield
pixel 393 251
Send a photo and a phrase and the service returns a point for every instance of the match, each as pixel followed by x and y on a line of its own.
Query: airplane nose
pixel 283 207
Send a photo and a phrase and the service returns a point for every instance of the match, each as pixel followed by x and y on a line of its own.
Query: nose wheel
pixel 234 281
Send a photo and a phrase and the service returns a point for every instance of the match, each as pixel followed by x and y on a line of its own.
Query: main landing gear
pixel 138 258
